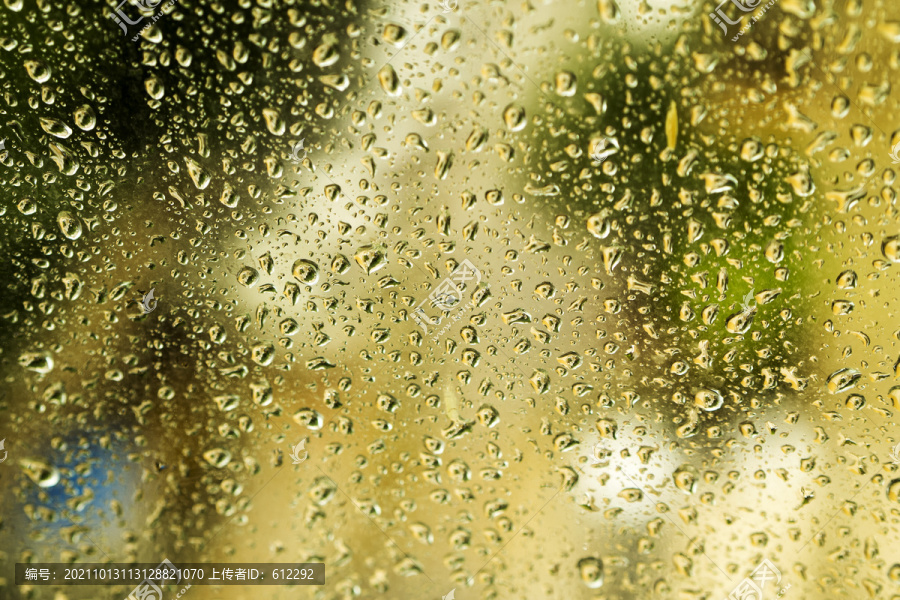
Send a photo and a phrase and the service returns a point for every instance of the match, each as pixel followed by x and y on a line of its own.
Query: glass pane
pixel 462 299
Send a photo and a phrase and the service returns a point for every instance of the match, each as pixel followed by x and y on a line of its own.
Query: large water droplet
pixel 69 225
pixel 37 70
pixel 40 472
pixel 389 80
pixel 890 247
pixel 326 54
pixel 370 259
pixel 39 362
pixel 85 118
pixel 708 400
pixel 248 277
pixel 199 175
pixel 274 123
pixel 155 87
pixel 55 128
pixel 842 379
pixel 306 271
pixel 740 322
pixel 591 571
pixel 514 117
pixel 263 354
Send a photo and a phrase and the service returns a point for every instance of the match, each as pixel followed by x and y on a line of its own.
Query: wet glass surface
pixel 463 299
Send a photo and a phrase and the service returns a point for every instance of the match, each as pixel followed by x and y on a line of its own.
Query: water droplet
pixel 609 11
pixel 450 39
pixel 740 322
pixel 217 457
pixel 326 54
pixel 274 122
pixel 199 175
pixel 69 225
pixel 389 80
pixel 893 491
pixel 708 400
pixel 55 128
pixel 598 225
pixel 890 247
pixel 488 416
pixel 64 158
pixel 27 206
pixel 229 198
pixel 370 259
pixel 84 117
pixel 39 362
pixel 248 277
pixel 685 478
pixel 775 252
pixel 591 571
pixel 263 354
pixel 306 271
pixel 340 264
pixel 444 162
pixel 41 473
pixel 566 83
pixel 842 379
pixel 309 418
pixel 514 117
pixel 751 150
pixel 227 403
pixel 847 280
pixel 155 87
pixel 394 34
pixel 37 70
